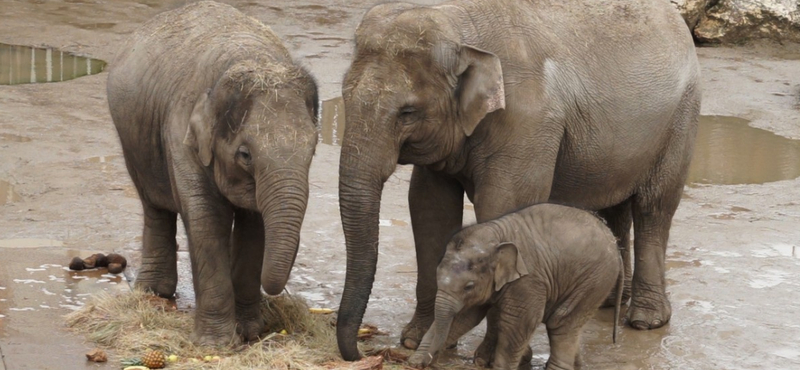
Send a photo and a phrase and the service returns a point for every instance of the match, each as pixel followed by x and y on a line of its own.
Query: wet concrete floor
pixel 732 258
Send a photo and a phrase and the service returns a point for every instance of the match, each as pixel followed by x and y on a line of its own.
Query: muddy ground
pixel 734 251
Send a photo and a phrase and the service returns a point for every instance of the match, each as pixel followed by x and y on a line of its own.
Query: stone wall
pixel 739 21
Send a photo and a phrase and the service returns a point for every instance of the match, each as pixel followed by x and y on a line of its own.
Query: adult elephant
pixel 217 124
pixel 590 103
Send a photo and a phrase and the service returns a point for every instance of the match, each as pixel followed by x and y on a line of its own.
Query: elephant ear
pixel 510 265
pixel 199 133
pixel 480 86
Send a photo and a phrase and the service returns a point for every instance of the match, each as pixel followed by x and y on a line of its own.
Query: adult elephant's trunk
pixel 434 340
pixel 282 195
pixel 363 170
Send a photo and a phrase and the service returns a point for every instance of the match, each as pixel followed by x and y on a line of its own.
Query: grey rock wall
pixel 739 21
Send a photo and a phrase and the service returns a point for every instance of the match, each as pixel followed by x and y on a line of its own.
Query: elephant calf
pixel 546 263
pixel 217 124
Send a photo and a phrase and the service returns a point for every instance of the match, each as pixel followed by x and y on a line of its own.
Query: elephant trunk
pixel 282 196
pixel 434 340
pixel 362 173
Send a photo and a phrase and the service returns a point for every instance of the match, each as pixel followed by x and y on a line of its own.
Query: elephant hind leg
pixel 159 270
pixel 653 206
pixel 247 251
pixel 619 220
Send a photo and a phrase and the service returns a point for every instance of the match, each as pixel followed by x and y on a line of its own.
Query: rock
pixel 738 21
pixel 97 355
pixel 76 264
pixel 691 10
pixel 115 268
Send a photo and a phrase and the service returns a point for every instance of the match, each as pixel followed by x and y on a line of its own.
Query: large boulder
pixel 738 21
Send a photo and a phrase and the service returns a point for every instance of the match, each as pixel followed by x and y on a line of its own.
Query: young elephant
pixel 217 124
pixel 546 263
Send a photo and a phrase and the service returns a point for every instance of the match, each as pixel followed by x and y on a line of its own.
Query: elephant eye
pixel 469 286
pixel 406 113
pixel 244 154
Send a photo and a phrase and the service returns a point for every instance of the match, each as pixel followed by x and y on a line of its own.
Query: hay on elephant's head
pixel 131 324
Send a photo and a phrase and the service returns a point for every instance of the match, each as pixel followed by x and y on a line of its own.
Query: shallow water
pixel 728 151
pixel 25 64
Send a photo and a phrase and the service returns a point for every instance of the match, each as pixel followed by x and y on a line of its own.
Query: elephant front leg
pixel 208 226
pixel 159 270
pixel 436 204
pixel 247 249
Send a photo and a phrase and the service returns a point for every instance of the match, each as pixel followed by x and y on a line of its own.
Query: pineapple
pixel 154 360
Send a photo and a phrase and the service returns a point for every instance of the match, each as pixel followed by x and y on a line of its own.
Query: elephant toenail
pixel 656 323
pixel 410 343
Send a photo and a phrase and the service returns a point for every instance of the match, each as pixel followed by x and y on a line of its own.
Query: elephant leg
pixel 247 252
pixel 436 204
pixel 517 315
pixel 564 349
pixel 619 220
pixel 484 355
pixel 465 321
pixel 159 270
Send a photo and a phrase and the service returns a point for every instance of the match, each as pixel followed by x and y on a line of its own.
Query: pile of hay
pixel 131 324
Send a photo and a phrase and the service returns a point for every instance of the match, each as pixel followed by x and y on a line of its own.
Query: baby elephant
pixel 546 263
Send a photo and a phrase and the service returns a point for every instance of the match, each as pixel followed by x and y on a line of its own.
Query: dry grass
pixel 131 324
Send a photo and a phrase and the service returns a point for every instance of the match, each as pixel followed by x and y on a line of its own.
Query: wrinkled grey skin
pixel 590 103
pixel 217 124
pixel 546 263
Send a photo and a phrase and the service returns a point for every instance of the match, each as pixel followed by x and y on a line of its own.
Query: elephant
pixel 590 103
pixel 546 263
pixel 218 125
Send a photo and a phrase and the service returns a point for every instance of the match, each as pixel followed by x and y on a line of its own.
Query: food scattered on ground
pixel 114 262
pixel 97 355
pixel 368 331
pixel 134 323
pixel 154 360
pixel 320 311
pixel 135 368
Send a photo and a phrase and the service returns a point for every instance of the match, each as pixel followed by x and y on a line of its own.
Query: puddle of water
pixel 30 243
pixel 25 64
pixel 729 152
pixel 7 193
pixel 17 138
pixel 332 121
pixel 787 250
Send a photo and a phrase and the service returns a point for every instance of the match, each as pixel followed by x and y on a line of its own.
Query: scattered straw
pixel 131 324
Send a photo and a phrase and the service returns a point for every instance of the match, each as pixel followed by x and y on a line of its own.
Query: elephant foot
pixel 484 357
pixel 527 357
pixel 161 286
pixel 249 324
pixel 420 359
pixel 414 331
pixel 216 338
pixel 649 312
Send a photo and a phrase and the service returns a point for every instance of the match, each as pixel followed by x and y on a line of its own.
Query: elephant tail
pixel 618 302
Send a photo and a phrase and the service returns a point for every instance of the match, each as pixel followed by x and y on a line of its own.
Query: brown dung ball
pixel 116 258
pixel 76 264
pixel 115 268
pixel 95 260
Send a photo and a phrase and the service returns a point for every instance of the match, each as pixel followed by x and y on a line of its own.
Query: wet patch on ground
pixel 728 151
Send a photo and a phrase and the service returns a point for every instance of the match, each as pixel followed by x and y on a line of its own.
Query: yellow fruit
pixel 215 358
pixel 321 311
pixel 364 331
pixel 284 332
pixel 172 358
pixel 207 358
pixel 154 360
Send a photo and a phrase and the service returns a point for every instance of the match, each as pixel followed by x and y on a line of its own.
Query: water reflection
pixel 728 152
pixel 25 64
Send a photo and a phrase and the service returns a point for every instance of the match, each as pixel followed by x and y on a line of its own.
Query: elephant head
pixel 477 263
pixel 413 95
pixel 256 129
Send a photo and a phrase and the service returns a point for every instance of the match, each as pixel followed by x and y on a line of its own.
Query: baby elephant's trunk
pixel 434 339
